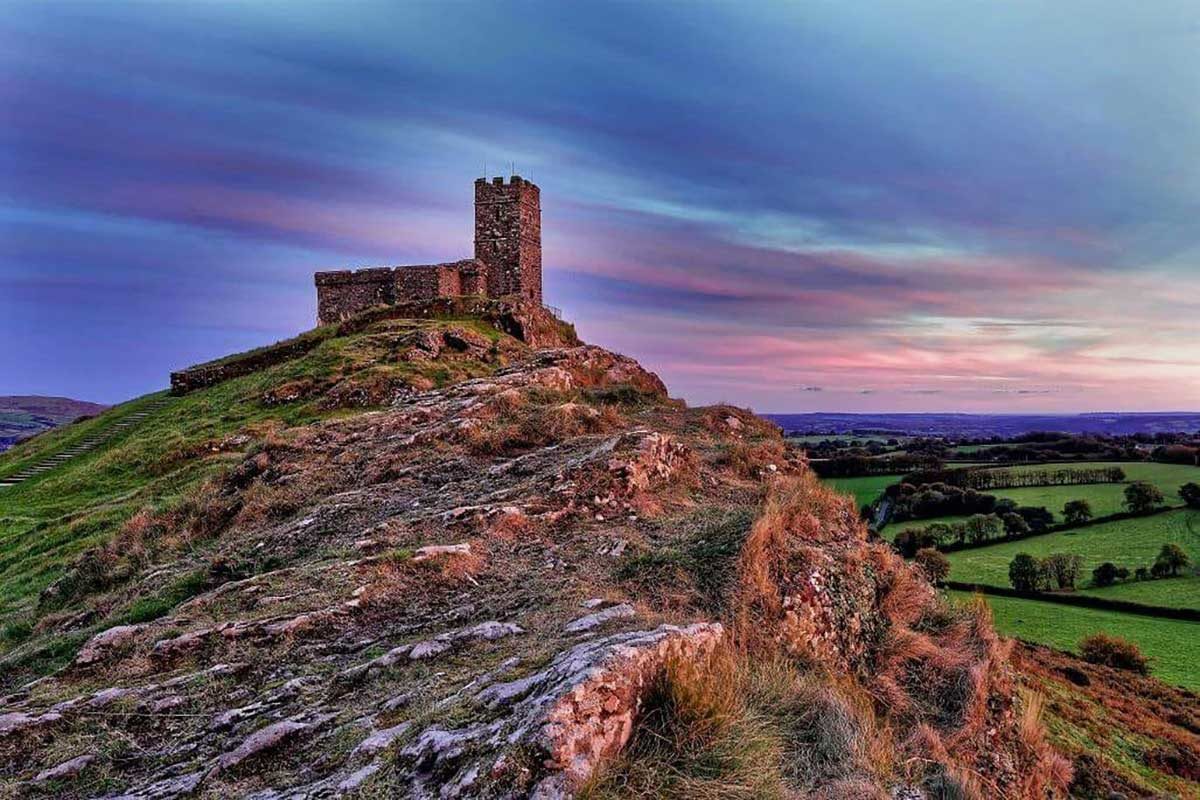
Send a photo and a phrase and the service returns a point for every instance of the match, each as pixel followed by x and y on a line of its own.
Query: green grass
pixel 896 527
pixel 1180 592
pixel 46 522
pixel 1173 645
pixel 864 489
pixel 1130 543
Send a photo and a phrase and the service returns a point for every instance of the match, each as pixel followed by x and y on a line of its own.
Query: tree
pixel 1024 573
pixel 1063 569
pixel 1038 517
pixel 1173 556
pixel 1160 569
pixel 1141 574
pixel 1077 511
pixel 935 565
pixel 1142 497
pixel 1105 574
pixel 1014 524
pixel 982 527
pixel 1190 492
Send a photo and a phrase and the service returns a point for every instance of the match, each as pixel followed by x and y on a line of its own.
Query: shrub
pixel 1077 511
pixel 1105 574
pixel 1037 517
pixel 1113 651
pixel 1142 497
pixel 935 565
pixel 1014 524
pixel 1025 573
pixel 910 541
pixel 1141 574
pixel 1190 493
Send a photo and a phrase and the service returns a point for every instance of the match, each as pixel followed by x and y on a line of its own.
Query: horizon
pixel 871 210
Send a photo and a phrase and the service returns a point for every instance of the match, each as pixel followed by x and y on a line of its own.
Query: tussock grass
pixel 739 725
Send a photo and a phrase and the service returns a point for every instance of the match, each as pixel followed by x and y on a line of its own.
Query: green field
pixel 1173 645
pixel 1180 592
pixel 1105 498
pixel 1130 543
pixel 864 489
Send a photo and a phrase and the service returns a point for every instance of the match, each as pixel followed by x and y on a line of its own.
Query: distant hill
pixel 984 425
pixel 22 416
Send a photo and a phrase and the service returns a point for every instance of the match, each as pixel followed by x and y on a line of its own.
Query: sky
pixel 819 206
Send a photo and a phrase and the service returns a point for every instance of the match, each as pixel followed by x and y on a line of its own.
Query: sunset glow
pixel 831 219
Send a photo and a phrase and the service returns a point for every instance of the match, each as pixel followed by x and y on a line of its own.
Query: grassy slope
pixel 1172 644
pixel 1130 543
pixel 46 522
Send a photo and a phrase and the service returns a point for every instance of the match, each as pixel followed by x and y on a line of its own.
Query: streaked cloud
pixel 955 211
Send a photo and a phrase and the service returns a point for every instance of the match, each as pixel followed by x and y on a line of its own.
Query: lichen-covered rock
pixel 575 713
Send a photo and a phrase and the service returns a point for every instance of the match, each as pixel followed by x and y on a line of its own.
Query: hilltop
pixel 22 416
pixel 467 555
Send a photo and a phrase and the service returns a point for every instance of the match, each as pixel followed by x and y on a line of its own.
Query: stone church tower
pixel 508 236
pixel 507 262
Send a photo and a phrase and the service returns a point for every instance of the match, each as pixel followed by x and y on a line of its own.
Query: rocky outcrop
pixel 557 724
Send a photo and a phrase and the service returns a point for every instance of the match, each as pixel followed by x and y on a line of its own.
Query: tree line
pixel 985 479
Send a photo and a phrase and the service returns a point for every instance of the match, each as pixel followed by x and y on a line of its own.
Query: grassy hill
pixel 45 523
pixel 22 416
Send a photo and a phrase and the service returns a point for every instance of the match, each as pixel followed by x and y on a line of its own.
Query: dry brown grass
pixel 515 420
pixel 799 512
pixel 397 575
pixel 752 459
pixel 743 724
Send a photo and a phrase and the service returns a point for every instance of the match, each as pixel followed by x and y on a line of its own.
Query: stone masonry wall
pixel 342 294
pixel 508 236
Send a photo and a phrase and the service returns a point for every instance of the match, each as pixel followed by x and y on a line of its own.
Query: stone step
pixel 85 446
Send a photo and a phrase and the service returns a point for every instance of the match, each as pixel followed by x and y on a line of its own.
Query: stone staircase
pixel 85 446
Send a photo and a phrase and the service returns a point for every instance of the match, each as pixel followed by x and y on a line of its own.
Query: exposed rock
pixel 66 770
pixel 380 740
pixel 19 722
pixel 358 778
pixel 102 644
pixel 575 713
pixel 434 550
pixel 260 742
pixel 600 617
